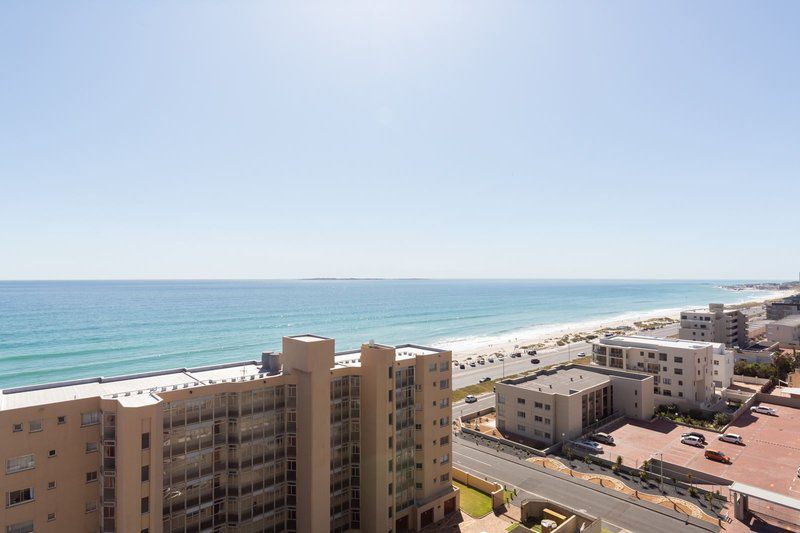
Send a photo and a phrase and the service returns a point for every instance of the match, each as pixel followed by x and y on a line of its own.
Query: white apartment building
pixel 684 372
pixel 715 324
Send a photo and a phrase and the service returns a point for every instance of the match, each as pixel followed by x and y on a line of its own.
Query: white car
pixel 470 399
pixel 581 354
pixel 764 410
pixel 691 440
pixel 731 437
pixel 588 445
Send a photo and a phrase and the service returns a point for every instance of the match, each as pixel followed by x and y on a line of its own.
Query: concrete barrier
pixel 778 400
pixel 490 488
pixel 506 442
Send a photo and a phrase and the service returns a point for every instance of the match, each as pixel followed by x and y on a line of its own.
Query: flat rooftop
pixel 791 320
pixel 141 387
pixel 639 341
pixel 561 380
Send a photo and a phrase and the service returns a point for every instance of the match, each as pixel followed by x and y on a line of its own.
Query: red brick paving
pixel 769 459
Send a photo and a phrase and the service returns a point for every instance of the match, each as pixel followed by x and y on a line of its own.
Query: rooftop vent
pixel 270 363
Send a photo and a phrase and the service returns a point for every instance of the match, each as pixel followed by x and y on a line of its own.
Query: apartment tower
pixel 715 324
pixel 307 440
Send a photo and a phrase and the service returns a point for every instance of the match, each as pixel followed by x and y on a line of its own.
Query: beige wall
pixel 308 364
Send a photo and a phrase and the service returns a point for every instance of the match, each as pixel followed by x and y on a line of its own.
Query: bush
pixel 692 492
pixel 722 419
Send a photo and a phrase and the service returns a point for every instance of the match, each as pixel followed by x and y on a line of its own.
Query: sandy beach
pixel 548 336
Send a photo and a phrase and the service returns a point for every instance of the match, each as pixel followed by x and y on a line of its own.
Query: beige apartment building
pixel 684 372
pixel 563 402
pixel 715 324
pixel 307 440
pixel 786 332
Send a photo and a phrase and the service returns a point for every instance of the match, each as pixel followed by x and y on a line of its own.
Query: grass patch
pixel 519 528
pixel 474 502
pixel 482 388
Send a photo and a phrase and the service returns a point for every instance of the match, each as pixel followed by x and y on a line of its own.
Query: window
pixel 90 507
pixel 51 485
pixel 501 398
pixel 145 505
pixel 51 517
pixel 680 394
pixel 17 497
pixel 91 477
pixel 444 440
pixel 537 418
pixel 678 371
pixel 145 441
pixel 444 477
pixel 521 401
pixel 18 464
pixel 520 414
pixel 62 420
pixel 34 426
pixel 443 366
pixel 667 381
pixel 678 359
pixel 666 392
pixel 444 402
pixel 445 459
pixel 443 384
pixel 20 527
pixel 537 405
pixel 90 419
pixel 51 453
pixel 662 357
pixel 391 395
pixel 547 435
pixel 680 382
pixel 547 407
pixel 547 421
pixel 419 466
pixel 432 367
pixel 520 427
pixel 390 488
pixel 16 428
pixel 91 447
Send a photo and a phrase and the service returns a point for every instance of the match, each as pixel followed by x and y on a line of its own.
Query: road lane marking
pixel 471 458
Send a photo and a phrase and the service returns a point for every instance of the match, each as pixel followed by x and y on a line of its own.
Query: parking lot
pixel 768 459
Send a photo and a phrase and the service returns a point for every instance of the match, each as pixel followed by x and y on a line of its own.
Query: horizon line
pixel 410 278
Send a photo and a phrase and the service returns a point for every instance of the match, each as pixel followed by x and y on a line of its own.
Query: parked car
pixel 731 437
pixel 589 445
pixel 470 398
pixel 535 361
pixel 691 440
pixel 531 352
pixel 716 455
pixel 472 363
pixel 695 434
pixel 516 354
pixel 491 359
pixel 581 354
pixel 763 409
pixel 481 362
pixel 461 366
pixel 605 438
pixel 484 379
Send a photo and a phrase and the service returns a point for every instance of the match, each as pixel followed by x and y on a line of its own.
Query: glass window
pixel 18 464
pixel 16 497
pixel 90 419
pixel 34 426
pixel 145 441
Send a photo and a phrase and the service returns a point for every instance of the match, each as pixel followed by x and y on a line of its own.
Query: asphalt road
pixel 618 510
pixel 498 369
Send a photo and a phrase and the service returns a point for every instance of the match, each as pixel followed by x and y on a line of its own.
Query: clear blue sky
pixel 434 139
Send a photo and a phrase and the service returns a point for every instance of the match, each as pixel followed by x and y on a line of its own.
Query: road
pixel 471 375
pixel 618 510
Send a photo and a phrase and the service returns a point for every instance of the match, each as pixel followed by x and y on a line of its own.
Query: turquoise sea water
pixel 52 331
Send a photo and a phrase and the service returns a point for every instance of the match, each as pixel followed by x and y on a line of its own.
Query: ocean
pixel 59 330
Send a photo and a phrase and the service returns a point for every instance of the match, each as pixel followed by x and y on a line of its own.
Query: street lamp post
pixel 661 464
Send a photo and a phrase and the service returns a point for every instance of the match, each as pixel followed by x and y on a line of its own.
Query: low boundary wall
pixel 494 490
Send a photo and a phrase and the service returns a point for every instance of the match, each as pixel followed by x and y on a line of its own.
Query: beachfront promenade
pixel 549 356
